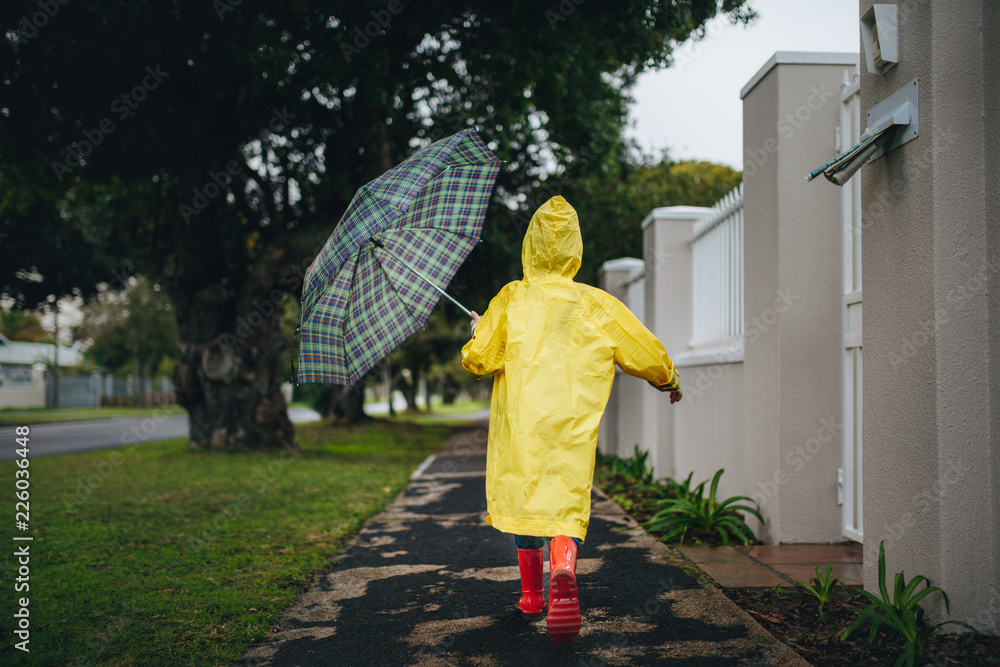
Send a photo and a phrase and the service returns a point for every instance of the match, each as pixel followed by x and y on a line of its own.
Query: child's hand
pixel 675 396
pixel 475 318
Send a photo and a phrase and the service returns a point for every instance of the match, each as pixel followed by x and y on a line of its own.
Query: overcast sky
pixel 694 110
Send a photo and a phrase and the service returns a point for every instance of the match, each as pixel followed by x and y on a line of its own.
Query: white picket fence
pixel 717 266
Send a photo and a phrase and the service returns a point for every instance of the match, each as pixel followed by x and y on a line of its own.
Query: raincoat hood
pixel 552 245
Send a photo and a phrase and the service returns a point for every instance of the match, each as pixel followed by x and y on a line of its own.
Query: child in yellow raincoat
pixel 552 346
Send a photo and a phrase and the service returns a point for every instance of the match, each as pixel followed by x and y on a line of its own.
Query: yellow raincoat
pixel 552 345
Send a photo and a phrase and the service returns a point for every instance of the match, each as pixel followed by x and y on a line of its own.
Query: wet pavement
pixel 427 582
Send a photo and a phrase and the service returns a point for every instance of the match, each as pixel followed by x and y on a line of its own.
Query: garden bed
pixel 792 616
pixel 793 619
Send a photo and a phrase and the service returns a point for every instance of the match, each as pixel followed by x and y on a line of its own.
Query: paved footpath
pixel 427 582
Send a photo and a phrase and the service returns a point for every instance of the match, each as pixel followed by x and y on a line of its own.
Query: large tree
pixel 214 145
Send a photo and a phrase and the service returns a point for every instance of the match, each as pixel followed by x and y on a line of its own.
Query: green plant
pixel 634 468
pixel 669 488
pixel 623 501
pixel 902 612
pixel 821 588
pixel 693 511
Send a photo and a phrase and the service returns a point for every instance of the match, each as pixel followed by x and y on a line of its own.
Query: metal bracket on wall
pixel 900 108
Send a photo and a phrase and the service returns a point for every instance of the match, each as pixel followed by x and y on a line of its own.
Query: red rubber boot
pixel 564 602
pixel 532 602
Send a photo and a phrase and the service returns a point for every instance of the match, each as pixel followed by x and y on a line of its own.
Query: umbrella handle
pixel 422 276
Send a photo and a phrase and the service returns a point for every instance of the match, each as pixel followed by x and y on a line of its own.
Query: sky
pixel 693 108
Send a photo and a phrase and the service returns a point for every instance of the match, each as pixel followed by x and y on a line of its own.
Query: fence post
pixel 667 255
pixel 95 388
pixel 620 427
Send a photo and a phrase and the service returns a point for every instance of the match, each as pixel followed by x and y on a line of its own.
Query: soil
pixel 793 618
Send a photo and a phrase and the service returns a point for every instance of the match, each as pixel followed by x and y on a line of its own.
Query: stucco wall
pixel 792 323
pixel 621 425
pixel 931 363
pixel 708 424
pixel 991 100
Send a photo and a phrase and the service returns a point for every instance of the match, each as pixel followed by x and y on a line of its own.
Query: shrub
pixel 693 511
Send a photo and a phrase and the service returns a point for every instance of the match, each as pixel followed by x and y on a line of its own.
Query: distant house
pixel 18 357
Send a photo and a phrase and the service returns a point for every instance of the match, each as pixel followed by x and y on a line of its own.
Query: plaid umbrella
pixel 360 298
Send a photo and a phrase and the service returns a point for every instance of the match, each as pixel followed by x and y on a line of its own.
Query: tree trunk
pixel 387 378
pixel 229 374
pixel 55 363
pixel 348 404
pixel 407 386
pixel 140 383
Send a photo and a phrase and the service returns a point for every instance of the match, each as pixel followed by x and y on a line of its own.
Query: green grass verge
pixel 458 407
pixel 440 413
pixel 20 417
pixel 161 555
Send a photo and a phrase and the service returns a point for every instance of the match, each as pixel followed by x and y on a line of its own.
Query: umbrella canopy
pixel 362 296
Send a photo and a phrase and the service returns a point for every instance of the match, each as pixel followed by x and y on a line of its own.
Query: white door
pixel 850 475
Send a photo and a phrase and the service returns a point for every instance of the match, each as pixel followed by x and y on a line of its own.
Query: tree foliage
pixel 132 330
pixel 612 206
pixel 22 325
pixel 214 145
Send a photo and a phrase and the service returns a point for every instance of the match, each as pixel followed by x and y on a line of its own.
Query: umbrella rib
pixel 392 286
pixel 422 277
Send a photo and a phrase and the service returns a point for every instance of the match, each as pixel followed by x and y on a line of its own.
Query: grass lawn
pixel 19 417
pixel 439 412
pixel 161 555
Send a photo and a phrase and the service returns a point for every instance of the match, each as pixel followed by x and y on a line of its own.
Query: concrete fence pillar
pixel 621 424
pixel 667 257
pixel 793 343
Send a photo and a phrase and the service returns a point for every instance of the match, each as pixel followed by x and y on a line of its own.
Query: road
pixel 73 437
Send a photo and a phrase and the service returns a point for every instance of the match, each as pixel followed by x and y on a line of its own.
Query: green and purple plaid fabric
pixel 358 302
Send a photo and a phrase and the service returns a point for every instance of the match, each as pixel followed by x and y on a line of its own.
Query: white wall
pixel 931 255
pixel 24 395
